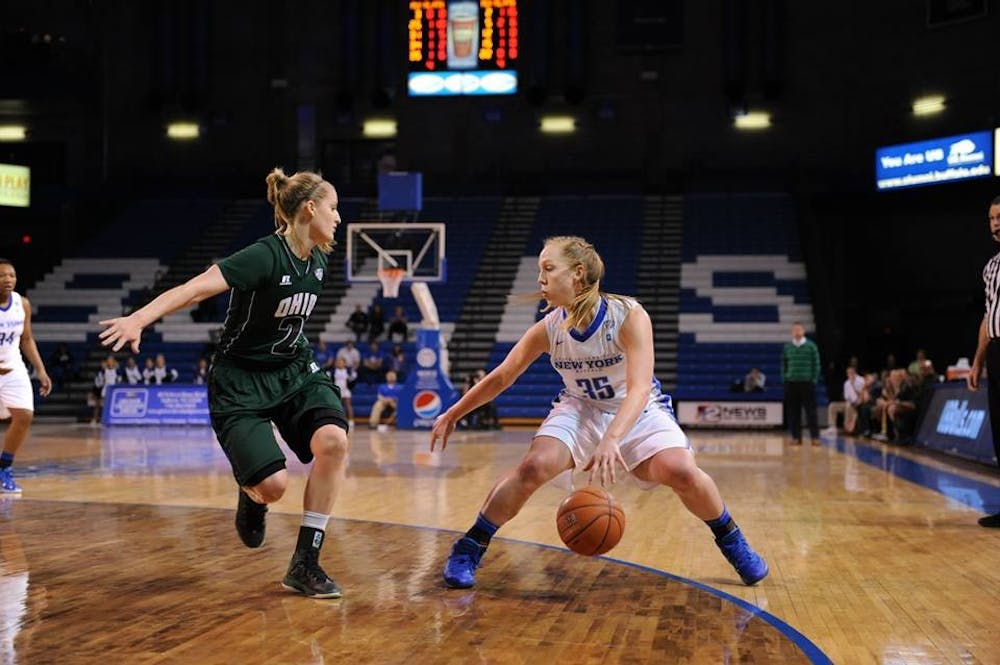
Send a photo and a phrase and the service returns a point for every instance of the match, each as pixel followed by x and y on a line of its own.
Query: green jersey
pixel 273 292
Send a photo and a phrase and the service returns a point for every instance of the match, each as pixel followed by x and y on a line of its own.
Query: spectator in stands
pixel 616 416
pixel 357 322
pixel 133 373
pixel 853 385
pixel 352 359
pixel 988 346
pixel 398 326
pixel 201 371
pixel 902 411
pixel 61 364
pixel 891 384
pixel 148 370
pixel 398 363
pixel 754 381
pixel 107 375
pixel 373 366
pixel 323 356
pixel 351 355
pixel 800 371
pixel 915 368
pixel 261 376
pixel 161 373
pixel 16 389
pixel 376 323
pixel 870 391
pixel 388 398
pixel 344 377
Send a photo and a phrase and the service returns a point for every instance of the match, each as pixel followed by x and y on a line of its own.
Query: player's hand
pixel 602 464
pixel 45 382
pixel 119 332
pixel 444 425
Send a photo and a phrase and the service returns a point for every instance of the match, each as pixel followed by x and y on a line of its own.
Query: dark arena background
pixel 740 165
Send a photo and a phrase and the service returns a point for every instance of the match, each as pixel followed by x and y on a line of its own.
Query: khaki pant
pixel 850 415
pixel 380 405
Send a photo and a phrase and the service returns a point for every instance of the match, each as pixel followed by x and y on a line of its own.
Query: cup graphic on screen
pixel 463 35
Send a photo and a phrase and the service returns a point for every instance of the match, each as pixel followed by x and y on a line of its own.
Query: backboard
pixel 417 247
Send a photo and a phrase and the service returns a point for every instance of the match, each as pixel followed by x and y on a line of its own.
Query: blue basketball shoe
pixel 7 484
pixel 751 566
pixel 460 570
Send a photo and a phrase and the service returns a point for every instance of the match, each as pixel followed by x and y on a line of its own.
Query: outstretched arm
pixel 30 350
pixel 534 343
pixel 127 329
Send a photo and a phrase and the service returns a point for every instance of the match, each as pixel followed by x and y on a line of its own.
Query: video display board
pixel 468 47
pixel 15 185
pixel 936 161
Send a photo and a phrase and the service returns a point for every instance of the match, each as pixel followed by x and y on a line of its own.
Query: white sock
pixel 315 520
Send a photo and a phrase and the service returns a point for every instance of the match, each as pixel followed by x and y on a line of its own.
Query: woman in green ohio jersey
pixel 264 372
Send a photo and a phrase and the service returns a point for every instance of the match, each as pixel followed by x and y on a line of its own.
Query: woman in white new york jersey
pixel 610 412
pixel 16 400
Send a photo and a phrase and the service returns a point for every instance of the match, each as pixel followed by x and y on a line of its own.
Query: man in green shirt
pixel 800 372
pixel 264 370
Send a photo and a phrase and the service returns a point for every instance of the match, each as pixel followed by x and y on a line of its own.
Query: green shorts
pixel 243 403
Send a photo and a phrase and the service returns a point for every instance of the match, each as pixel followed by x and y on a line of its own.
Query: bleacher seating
pixel 743 284
pixel 469 225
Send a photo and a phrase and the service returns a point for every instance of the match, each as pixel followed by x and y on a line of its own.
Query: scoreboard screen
pixel 468 47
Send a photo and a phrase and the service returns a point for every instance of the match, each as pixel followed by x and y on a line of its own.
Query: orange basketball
pixel 590 521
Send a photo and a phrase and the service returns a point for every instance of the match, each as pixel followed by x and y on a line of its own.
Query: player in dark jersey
pixel 264 371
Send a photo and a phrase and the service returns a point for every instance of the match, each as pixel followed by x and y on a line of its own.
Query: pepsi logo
pixel 426 404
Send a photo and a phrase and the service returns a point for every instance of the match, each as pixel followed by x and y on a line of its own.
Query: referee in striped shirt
pixel 988 349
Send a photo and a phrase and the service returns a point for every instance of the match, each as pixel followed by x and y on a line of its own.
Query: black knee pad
pixel 317 418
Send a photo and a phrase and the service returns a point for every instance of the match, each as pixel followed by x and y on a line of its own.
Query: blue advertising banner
pixel 175 404
pixel 957 421
pixel 428 392
pixel 935 161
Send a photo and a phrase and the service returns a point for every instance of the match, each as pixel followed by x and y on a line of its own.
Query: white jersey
pixel 11 328
pixel 592 364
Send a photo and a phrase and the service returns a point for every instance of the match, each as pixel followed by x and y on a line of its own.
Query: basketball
pixel 590 521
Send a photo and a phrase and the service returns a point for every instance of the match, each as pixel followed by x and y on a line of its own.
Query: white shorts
pixel 581 426
pixel 15 391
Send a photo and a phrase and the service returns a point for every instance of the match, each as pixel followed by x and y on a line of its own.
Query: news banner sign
pixel 173 404
pixel 709 413
pixel 957 422
pixel 950 159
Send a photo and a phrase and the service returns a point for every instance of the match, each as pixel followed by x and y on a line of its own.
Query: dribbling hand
pixel 603 463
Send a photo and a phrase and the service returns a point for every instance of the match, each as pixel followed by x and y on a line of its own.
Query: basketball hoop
pixel 391 278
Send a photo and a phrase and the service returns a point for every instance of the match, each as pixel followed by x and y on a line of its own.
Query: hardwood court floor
pixel 122 550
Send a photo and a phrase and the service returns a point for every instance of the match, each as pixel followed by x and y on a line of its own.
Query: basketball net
pixel 391 278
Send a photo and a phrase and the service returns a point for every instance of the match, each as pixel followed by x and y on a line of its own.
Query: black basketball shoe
pixel 307 577
pixel 250 520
